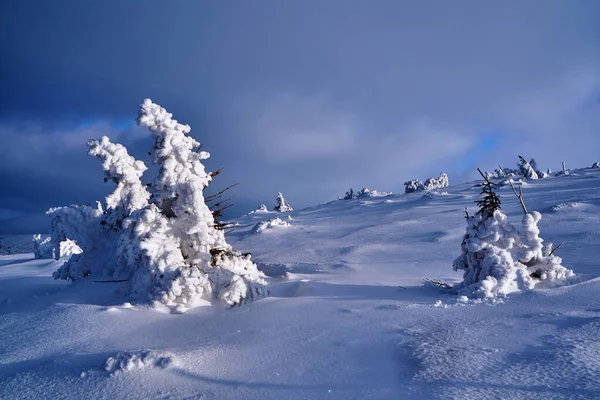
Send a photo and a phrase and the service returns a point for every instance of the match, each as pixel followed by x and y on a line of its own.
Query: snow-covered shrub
pixel 564 170
pixel 260 210
pixel 264 225
pixel 526 169
pixel 437 183
pixel 281 205
pixel 413 186
pixel 350 195
pixel 596 165
pixel 497 259
pixel 42 248
pixel 364 193
pixel 164 242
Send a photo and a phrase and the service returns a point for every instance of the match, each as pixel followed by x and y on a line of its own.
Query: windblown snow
pixel 348 315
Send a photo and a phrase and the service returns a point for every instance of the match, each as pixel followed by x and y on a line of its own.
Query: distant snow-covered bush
pixel 364 193
pixel 413 186
pixel 264 225
pixel 596 165
pixel 437 183
pixel 162 241
pixel 260 210
pixel 497 259
pixel 281 205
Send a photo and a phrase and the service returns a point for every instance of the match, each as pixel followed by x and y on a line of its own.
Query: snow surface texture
pixel 281 205
pixel 164 243
pixel 498 260
pixel 136 360
pixel 348 316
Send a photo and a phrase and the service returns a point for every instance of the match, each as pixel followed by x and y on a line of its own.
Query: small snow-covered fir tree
pixel 596 165
pixel 164 242
pixel 526 169
pixel 281 205
pixel 497 259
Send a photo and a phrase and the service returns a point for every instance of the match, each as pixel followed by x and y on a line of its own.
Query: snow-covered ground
pixel 348 316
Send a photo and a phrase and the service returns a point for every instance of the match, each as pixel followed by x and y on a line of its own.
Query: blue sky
pixel 304 97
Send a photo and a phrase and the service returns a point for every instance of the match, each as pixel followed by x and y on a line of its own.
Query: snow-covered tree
pixel 164 242
pixel 526 169
pixel 413 186
pixel 596 165
pixel 497 259
pixel 350 195
pixel 281 205
pixel 437 183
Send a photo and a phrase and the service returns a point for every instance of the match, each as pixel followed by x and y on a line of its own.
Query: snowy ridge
pixel 348 316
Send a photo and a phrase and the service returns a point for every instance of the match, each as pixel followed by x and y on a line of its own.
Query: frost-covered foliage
pixel 437 183
pixel 42 248
pixel 497 259
pixel 163 242
pixel 526 169
pixel 264 225
pixel 596 165
pixel 262 209
pixel 281 205
pixel 364 193
pixel 413 186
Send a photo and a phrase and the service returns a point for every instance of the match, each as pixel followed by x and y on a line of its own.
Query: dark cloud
pixel 307 98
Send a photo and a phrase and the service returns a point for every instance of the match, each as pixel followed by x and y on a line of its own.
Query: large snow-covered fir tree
pixel 163 242
pixel 497 259
pixel 281 204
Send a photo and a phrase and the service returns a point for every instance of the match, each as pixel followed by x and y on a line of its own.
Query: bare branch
pixel 555 248
pixel 519 195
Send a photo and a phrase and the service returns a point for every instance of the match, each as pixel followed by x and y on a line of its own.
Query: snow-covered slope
pixel 348 316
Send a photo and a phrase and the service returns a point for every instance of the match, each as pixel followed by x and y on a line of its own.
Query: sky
pixel 307 97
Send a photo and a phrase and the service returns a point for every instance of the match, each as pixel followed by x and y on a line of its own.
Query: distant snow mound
pixel 136 360
pixel 270 223
pixel 262 209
